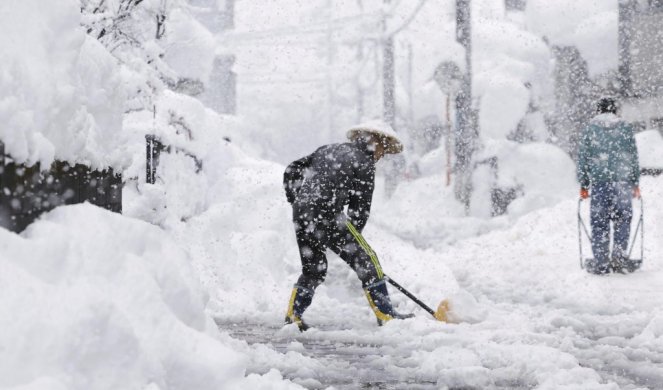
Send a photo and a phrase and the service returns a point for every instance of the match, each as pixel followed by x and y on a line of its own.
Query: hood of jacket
pixel 606 120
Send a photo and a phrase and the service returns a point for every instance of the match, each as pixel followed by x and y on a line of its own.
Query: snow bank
pixel 544 173
pixel 241 241
pixel 61 94
pixel 193 132
pixel 94 300
pixel 650 144
pixel 587 24
pixel 506 58
pixel 191 47
pixel 425 210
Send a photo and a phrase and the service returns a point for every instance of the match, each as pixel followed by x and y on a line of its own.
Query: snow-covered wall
pixel 61 94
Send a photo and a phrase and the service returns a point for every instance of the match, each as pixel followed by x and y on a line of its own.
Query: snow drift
pixel 95 300
pixel 61 94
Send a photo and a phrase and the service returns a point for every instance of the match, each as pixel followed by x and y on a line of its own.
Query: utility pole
pixel 410 85
pixel 466 131
pixel 625 33
pixel 330 68
pixel 388 102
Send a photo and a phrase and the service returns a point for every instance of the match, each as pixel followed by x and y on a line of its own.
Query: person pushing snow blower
pixel 609 173
pixel 319 187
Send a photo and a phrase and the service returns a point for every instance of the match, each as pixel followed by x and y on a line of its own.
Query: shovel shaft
pixel 409 295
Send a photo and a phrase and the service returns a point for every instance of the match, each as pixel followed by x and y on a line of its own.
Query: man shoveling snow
pixel 319 187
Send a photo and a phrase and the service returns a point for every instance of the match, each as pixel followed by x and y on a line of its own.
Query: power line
pixel 311 28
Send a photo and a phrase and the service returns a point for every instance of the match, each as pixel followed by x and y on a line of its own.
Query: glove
pixel 584 193
pixel 636 192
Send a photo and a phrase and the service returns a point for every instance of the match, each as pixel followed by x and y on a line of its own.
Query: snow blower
pixel 442 309
pixel 631 264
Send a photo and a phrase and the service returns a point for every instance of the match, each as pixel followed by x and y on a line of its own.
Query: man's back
pixel 333 171
pixel 332 177
pixel 607 152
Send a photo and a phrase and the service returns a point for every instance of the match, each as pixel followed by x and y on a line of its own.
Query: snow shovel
pixel 631 264
pixel 442 309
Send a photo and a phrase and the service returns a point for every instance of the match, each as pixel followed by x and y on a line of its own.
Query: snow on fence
pixel 26 192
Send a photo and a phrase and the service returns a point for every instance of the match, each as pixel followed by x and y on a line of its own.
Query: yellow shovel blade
pixel 442 310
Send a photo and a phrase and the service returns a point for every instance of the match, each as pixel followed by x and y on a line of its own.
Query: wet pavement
pixel 343 364
pixel 347 365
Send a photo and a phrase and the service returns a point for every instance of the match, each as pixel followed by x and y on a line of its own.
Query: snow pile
pixel 543 173
pixel 426 211
pixel 190 46
pixel 589 25
pixel 243 239
pixel 61 94
pixel 94 300
pixel 201 146
pixel 650 144
pixel 511 70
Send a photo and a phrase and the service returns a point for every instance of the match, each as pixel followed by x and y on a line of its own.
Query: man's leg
pixel 351 246
pixel 599 210
pixel 622 216
pixel 314 270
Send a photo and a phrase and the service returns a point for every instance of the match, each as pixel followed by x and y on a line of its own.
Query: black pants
pixel 316 232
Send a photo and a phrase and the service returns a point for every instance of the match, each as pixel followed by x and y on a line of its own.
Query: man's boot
pixel 300 299
pixel 378 299
pixel 598 268
pixel 619 261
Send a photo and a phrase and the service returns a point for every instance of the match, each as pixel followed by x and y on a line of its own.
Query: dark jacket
pixel 332 177
pixel 608 152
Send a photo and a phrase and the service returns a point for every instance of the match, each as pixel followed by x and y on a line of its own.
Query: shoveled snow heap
pixel 95 300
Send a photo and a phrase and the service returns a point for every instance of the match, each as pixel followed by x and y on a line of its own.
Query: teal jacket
pixel 608 152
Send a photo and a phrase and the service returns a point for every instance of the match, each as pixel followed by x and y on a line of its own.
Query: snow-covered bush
pixel 61 93
pixel 95 300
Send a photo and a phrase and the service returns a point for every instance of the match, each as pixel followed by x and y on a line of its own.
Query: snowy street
pixel 545 322
pixel 227 194
pixel 539 321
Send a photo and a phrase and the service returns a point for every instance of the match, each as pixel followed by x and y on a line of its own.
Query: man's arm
pixel 361 196
pixel 293 177
pixel 584 160
pixel 634 163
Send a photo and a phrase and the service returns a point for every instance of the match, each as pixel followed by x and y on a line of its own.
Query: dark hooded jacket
pixel 332 177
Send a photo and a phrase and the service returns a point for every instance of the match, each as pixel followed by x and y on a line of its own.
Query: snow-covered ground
pixel 188 289
pixel 530 317
pixel 98 300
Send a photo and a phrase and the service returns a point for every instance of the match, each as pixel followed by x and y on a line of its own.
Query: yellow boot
pixel 378 299
pixel 299 300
